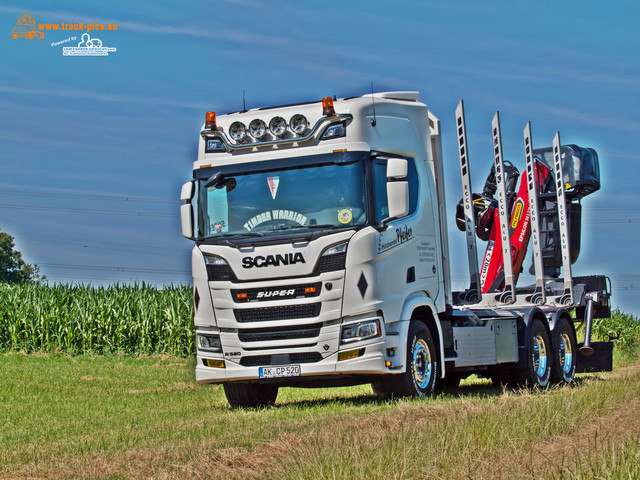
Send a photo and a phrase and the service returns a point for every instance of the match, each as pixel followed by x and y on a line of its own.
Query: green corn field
pixel 78 319
pixel 143 320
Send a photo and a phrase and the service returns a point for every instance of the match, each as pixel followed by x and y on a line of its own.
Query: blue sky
pixel 93 150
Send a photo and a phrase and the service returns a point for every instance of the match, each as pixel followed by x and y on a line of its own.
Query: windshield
pixel 296 198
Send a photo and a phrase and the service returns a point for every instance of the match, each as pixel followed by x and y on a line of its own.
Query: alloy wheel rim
pixel 421 364
pixel 539 355
pixel 566 353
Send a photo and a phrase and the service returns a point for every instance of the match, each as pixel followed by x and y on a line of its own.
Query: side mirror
pixel 186 212
pixel 397 168
pixel 218 180
pixel 397 188
pixel 398 199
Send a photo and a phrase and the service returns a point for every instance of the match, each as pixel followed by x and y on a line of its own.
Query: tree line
pixel 13 269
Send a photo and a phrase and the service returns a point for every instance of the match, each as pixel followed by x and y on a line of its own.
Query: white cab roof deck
pixel 357 111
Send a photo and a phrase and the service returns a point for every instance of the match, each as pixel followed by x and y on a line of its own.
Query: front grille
pixel 281 359
pixel 279 333
pixel 220 273
pixel 331 263
pixel 276 293
pixel 267 314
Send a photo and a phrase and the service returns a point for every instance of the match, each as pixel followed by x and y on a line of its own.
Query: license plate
pixel 276 372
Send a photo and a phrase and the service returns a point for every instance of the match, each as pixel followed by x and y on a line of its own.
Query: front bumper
pixel 372 362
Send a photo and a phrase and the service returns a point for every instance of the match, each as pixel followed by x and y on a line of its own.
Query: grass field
pixel 79 400
pixel 128 417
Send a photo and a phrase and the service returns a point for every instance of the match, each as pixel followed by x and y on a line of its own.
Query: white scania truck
pixel 321 255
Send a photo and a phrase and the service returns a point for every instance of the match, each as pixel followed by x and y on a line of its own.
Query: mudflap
pixel 600 361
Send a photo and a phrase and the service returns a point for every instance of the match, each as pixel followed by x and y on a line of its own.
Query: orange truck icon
pixel 26 27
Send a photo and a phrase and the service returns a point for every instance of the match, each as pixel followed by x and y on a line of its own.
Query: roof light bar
pixel 237 136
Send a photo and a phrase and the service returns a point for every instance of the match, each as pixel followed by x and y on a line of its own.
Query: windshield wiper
pixel 241 234
pixel 291 227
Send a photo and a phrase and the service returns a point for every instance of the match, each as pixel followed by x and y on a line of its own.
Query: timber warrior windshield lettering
pixel 275 215
pixel 272 260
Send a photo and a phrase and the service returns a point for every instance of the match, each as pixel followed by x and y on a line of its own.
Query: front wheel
pixel 565 350
pixel 250 395
pixel 419 379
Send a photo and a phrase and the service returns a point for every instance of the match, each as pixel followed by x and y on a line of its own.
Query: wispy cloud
pixel 596 119
pixel 602 119
pixel 100 96
pixel 300 54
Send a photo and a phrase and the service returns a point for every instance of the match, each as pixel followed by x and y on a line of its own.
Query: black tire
pixel 419 379
pixel 536 371
pixel 250 395
pixel 565 352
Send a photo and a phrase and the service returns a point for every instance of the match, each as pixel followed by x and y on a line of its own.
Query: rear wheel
pixel 536 372
pixel 565 348
pixel 250 395
pixel 419 379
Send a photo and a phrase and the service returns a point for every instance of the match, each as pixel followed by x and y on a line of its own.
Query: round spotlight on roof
pixel 238 131
pixel 299 124
pixel 257 129
pixel 278 126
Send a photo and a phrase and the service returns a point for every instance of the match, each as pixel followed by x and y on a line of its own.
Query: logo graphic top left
pixel 26 27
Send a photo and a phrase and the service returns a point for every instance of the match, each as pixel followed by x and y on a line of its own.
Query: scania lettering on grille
pixel 276 293
pixel 272 260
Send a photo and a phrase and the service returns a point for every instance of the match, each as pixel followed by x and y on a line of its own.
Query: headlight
pixel 209 343
pixel 298 124
pixel 333 258
pixel 213 260
pixel 360 331
pixel 334 131
pixel 257 129
pixel 218 270
pixel 340 248
pixel 278 126
pixel 238 131
pixel 214 145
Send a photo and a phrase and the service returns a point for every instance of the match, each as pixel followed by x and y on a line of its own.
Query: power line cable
pixel 113 269
pixel 91 211
pixel 97 196
pixel 101 244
